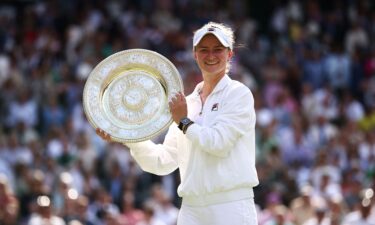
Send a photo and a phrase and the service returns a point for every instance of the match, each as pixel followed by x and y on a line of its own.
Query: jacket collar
pixel 219 86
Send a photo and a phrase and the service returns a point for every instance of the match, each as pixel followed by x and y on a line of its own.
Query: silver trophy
pixel 127 95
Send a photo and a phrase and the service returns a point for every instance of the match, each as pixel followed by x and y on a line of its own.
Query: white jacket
pixel 216 156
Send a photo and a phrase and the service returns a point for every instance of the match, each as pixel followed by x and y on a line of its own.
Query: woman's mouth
pixel 211 63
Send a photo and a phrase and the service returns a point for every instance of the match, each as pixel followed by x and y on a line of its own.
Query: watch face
pixel 185 120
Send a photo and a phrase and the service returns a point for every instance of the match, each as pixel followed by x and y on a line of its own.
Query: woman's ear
pixel 194 54
pixel 230 54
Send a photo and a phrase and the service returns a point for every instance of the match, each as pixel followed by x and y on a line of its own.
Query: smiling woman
pixel 224 39
pixel 212 141
pixel 212 57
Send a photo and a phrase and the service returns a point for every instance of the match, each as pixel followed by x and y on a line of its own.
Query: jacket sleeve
pixel 236 118
pixel 159 159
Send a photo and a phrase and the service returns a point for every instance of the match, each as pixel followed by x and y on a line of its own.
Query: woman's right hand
pixel 105 136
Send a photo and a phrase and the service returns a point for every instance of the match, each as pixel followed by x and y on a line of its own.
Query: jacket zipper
pixel 202 104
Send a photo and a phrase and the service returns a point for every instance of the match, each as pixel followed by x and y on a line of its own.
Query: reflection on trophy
pixel 127 95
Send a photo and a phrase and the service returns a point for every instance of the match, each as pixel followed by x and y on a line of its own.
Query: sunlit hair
pixel 229 35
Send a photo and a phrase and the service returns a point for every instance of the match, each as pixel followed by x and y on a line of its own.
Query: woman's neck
pixel 209 83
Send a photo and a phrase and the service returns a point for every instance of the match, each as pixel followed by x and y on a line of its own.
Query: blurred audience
pixel 309 64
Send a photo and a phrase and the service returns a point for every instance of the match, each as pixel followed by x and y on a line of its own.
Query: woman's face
pixel 211 56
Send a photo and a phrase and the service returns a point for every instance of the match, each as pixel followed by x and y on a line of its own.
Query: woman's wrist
pixel 184 124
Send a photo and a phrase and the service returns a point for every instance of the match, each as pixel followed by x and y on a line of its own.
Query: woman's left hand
pixel 178 107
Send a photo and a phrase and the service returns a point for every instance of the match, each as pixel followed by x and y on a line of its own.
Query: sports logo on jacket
pixel 215 107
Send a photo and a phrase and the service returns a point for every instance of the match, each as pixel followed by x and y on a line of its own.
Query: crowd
pixel 311 68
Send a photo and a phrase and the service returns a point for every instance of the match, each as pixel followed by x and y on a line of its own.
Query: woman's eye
pixel 218 50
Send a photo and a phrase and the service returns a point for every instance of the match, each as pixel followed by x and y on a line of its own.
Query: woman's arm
pixel 159 159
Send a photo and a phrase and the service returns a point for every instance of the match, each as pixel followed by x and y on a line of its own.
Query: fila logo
pixel 215 107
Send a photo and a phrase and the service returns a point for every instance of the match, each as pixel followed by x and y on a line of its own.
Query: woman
pixel 212 141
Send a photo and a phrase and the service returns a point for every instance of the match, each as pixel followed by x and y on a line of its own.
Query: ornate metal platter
pixel 127 95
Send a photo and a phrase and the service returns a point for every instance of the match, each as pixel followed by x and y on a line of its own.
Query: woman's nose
pixel 211 54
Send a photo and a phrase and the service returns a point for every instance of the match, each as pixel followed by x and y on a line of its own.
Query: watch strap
pixel 184 124
pixel 184 129
pixel 180 125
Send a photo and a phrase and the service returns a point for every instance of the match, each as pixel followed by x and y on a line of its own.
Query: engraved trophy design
pixel 127 94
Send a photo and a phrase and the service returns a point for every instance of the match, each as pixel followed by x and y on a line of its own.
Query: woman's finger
pixel 103 134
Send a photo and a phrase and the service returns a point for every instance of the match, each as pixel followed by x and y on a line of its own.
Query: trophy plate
pixel 127 95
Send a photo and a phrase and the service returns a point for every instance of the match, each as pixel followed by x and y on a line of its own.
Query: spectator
pixel 8 202
pixel 23 110
pixel 44 213
pixel 129 214
pixel 365 212
pixel 321 213
pixel 149 218
pixel 301 207
pixel 80 211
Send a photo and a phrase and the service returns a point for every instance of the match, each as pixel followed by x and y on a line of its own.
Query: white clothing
pixel 354 111
pixel 38 220
pixel 314 221
pixel 26 112
pixel 240 212
pixel 355 218
pixel 152 222
pixel 167 214
pixel 216 156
